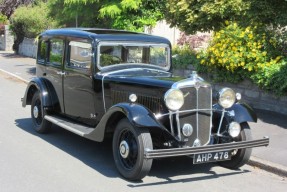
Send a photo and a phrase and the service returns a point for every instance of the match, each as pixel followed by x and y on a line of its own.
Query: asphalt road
pixel 61 161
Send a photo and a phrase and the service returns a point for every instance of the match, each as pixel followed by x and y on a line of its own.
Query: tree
pixel 127 14
pixel 77 14
pixel 7 7
pixel 29 21
pixel 205 15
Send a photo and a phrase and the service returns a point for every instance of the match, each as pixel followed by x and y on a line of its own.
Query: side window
pixel 56 51
pixel 42 51
pixel 80 55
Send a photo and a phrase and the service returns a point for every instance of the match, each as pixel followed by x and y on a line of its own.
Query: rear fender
pixel 48 95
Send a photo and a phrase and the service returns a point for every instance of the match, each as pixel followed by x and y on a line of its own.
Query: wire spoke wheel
pixel 240 156
pixel 37 113
pixel 129 143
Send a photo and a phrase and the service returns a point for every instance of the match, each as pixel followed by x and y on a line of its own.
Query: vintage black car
pixel 99 83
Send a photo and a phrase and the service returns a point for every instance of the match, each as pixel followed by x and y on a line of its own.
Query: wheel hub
pixel 124 149
pixel 35 111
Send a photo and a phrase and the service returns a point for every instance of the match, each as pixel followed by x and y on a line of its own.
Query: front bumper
pixel 161 153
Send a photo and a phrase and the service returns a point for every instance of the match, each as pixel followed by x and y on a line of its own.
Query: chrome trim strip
pixel 220 123
pixel 197 119
pixel 161 153
pixel 178 127
pixel 185 111
pixel 171 122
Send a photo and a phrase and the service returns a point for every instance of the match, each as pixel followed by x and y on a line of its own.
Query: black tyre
pixel 242 155
pixel 128 150
pixel 37 113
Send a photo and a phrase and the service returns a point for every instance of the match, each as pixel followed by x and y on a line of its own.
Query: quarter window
pixel 80 55
pixel 42 52
pixel 56 51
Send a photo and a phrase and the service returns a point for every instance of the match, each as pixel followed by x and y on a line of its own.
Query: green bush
pixel 273 78
pixel 30 21
pixel 237 53
pixel 183 57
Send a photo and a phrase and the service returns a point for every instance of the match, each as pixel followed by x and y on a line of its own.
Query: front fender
pixel 239 112
pixel 138 116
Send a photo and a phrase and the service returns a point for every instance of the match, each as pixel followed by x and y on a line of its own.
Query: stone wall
pixel 6 40
pixel 28 48
pixel 251 94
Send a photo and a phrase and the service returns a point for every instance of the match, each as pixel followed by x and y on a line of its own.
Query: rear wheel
pixel 129 143
pixel 37 113
pixel 241 155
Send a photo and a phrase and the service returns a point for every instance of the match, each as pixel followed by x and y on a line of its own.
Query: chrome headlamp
pixel 226 98
pixel 174 99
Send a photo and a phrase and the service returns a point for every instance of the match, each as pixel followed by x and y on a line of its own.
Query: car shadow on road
pixel 168 170
pixel 12 55
pixel 96 155
pixel 272 118
pixel 99 157
pixel 31 71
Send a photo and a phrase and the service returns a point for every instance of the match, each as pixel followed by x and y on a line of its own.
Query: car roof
pixel 104 35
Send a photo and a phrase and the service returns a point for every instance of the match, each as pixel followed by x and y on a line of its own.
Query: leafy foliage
pixel 206 15
pixel 237 53
pixel 29 21
pixel 3 21
pixel 183 57
pixel 127 14
pixel 7 7
pixel 77 14
pixel 196 41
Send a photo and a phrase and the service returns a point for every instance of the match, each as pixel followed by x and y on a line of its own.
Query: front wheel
pixel 129 143
pixel 241 155
pixel 37 113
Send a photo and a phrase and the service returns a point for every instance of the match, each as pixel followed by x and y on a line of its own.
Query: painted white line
pixel 16 76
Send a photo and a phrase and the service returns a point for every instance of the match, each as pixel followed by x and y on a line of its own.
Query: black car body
pixel 98 83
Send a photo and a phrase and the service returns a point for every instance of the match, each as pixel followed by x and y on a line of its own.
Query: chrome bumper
pixel 160 153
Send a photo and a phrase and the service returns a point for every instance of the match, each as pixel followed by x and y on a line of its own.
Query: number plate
pixel 211 157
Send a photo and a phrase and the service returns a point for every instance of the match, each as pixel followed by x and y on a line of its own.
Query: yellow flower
pixel 212 61
pixel 241 35
pixel 247 29
pixel 264 53
pixel 202 61
pixel 226 22
pixel 278 58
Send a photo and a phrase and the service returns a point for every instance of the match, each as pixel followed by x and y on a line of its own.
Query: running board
pixel 70 126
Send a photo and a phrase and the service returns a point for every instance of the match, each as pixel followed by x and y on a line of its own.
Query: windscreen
pixel 110 54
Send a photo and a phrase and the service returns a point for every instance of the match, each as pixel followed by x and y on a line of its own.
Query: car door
pixel 79 95
pixel 54 67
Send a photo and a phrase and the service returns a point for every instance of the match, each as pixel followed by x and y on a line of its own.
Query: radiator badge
pixel 197 143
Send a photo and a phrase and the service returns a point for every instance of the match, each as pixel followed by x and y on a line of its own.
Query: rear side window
pixel 56 51
pixel 80 55
pixel 42 52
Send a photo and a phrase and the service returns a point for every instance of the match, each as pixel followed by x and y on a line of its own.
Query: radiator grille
pixel 152 103
pixel 200 100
